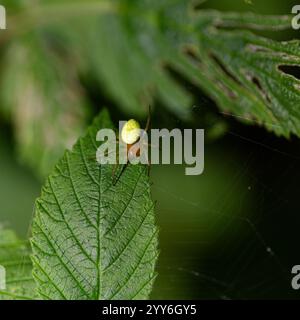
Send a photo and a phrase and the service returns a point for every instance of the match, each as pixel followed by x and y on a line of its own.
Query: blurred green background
pixel 229 233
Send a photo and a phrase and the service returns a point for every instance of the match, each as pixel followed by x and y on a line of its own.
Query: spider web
pixel 235 238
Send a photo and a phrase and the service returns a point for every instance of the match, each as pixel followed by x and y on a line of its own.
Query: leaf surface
pixel 15 258
pixel 246 74
pixel 92 239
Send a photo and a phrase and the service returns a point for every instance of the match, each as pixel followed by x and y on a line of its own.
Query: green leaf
pixel 242 71
pixel 15 258
pixel 92 239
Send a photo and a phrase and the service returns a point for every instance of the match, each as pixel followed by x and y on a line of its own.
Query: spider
pixel 131 134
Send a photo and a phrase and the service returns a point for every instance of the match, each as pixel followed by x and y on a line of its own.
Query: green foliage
pixel 132 49
pixel 92 239
pixel 241 71
pixel 47 105
pixel 14 256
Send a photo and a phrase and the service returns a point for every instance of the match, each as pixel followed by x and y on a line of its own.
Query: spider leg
pixel 114 172
pixel 147 128
pixel 148 124
pixel 117 176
